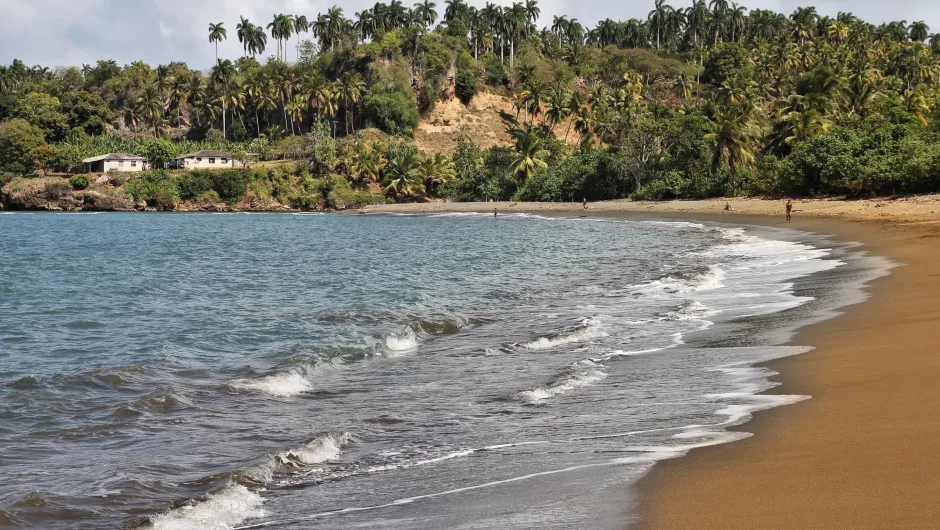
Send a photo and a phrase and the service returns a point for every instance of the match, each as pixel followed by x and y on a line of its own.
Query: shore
pixel 860 453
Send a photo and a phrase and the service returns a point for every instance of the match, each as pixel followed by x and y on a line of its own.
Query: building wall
pixel 208 163
pixel 126 166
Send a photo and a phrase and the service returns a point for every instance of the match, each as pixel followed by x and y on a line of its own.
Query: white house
pixel 115 162
pixel 204 160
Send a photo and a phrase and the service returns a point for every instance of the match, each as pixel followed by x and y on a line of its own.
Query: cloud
pixel 73 32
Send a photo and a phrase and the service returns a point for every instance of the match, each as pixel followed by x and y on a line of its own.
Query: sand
pixel 862 453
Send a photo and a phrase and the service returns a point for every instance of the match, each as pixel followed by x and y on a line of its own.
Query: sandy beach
pixel 861 452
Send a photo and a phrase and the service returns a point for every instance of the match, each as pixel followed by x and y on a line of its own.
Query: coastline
pixel 856 455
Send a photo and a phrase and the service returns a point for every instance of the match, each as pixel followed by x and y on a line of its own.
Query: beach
pixel 859 454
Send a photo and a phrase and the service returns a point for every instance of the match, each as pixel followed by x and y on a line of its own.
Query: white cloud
pixel 72 32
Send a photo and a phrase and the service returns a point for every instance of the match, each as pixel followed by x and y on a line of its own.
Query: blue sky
pixel 72 32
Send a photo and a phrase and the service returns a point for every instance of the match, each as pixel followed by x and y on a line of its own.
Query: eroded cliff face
pixel 55 194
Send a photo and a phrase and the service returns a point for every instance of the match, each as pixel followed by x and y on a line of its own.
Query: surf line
pixel 410 500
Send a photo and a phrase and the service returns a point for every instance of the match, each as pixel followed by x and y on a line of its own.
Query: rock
pixel 102 180
pixel 117 201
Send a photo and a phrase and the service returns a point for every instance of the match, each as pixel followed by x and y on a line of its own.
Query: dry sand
pixel 863 452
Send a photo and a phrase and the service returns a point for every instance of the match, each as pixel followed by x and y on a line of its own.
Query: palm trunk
pixel 568 130
pixel 258 123
pixel 512 52
pixel 224 134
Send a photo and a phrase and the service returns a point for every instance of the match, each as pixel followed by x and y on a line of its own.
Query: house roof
pixel 112 156
pixel 206 154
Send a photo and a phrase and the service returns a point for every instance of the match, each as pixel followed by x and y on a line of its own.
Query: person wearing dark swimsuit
pixel 789 210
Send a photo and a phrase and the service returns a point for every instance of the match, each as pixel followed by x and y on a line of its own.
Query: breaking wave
pixel 323 448
pixel 590 328
pixel 284 384
pixel 219 511
pixel 583 373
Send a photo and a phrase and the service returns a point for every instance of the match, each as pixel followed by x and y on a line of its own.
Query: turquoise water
pixel 307 371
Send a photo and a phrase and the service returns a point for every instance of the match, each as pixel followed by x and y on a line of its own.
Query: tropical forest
pixel 463 103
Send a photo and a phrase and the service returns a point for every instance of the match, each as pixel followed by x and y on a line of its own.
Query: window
pixel 133 163
pixel 212 161
pixel 120 163
pixel 198 160
pixel 225 160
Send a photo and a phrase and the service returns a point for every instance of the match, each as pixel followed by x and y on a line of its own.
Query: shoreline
pixel 856 455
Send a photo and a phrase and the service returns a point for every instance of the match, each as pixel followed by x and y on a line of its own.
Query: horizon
pixel 172 35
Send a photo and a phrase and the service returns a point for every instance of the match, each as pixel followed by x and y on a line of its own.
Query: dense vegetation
pixel 705 101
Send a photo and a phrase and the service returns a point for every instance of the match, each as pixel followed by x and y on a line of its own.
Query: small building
pixel 115 162
pixel 204 160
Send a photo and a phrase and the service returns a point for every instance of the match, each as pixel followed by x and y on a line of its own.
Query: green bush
pixel 55 190
pixel 79 182
pixel 231 184
pixel 466 85
pixel 389 104
pixel 156 188
pixel 192 185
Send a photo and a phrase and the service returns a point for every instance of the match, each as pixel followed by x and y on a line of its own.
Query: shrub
pixel 389 104
pixel 192 185
pixel 230 184
pixel 466 85
pixel 79 182
pixel 157 189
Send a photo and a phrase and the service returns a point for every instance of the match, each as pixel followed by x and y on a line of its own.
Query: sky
pixel 75 32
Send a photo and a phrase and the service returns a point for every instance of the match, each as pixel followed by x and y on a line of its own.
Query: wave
pixel 323 448
pixel 691 310
pixel 283 384
pixel 707 280
pixel 582 374
pixel 404 341
pixel 218 511
pixel 590 328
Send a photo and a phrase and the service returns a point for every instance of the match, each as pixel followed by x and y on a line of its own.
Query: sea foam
pixel 590 329
pixel 220 511
pixel 285 384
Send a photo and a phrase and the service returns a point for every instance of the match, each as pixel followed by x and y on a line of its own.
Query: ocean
pixel 297 371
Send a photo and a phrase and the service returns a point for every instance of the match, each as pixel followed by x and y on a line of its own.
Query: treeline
pixel 709 100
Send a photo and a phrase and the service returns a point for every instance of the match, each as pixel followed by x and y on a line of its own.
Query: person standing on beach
pixel 585 203
pixel 789 210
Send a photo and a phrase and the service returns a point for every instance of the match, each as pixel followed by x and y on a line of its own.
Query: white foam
pixel 590 329
pixel 693 310
pixel 323 448
pixel 709 280
pixel 582 374
pixel 220 511
pixel 405 341
pixel 285 384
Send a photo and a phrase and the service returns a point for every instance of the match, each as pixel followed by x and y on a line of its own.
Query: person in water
pixel 495 212
pixel 789 210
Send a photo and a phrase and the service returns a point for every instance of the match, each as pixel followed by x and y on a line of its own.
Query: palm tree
pixel 733 133
pixel 529 153
pixel 435 171
pixel 658 18
pixel 257 41
pixel 151 106
pixel 179 92
pixel 217 34
pixel 532 12
pixel 424 10
pixel 281 28
pixel 683 86
pixel 350 88
pixel 301 25
pixel 245 31
pixel 403 174
pixel 696 20
pixel 557 108
pixel 919 31
pixel 222 77
pixel 263 96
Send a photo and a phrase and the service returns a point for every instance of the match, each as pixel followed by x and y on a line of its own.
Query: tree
pixel 919 31
pixel 20 146
pixel 403 174
pixel 436 170
pixel 217 34
pixel 43 111
pixel 734 134
pixel 350 88
pixel 530 153
pixel 425 12
pixel 301 25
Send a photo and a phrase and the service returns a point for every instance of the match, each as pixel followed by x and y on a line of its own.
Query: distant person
pixel 585 203
pixel 495 212
pixel 727 206
pixel 789 210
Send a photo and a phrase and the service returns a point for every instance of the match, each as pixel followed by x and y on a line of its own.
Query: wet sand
pixel 862 453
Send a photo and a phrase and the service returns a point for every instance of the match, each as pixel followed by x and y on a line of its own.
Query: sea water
pixel 197 371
